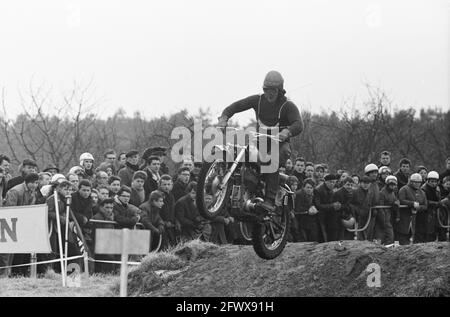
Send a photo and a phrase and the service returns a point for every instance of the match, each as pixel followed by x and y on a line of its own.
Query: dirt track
pixel 303 269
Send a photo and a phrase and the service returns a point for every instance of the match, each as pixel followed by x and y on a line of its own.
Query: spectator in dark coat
pixel 361 203
pixel 111 160
pixel 323 200
pixel 171 224
pixel 151 218
pixel 153 176
pixel 180 185
pixel 125 214
pixel 299 170
pixel 137 188
pixel 192 224
pixel 342 197
pixel 307 213
pixel 105 213
pixel 132 165
pixel 385 218
pixel 28 166
pixel 403 172
pixel 82 209
pixel 426 221
pixel 159 152
pixel 416 200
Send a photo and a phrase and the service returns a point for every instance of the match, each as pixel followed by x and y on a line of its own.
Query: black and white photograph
pixel 225 155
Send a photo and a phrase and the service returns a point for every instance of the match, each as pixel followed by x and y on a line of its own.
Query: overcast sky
pixel 161 56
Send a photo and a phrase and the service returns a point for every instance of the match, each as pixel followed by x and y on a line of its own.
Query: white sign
pixel 24 229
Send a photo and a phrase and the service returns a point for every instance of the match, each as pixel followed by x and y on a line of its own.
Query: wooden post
pixel 124 264
pixel 61 255
pixel 33 268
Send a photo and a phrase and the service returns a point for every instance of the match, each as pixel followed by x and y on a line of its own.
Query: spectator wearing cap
pixel 179 187
pixel 383 172
pixel 153 175
pixel 137 188
pixel 28 166
pixel 371 170
pixel 20 195
pixel 125 214
pixel 415 198
pixel 126 173
pixel 87 164
pixel 323 200
pixel 160 152
pixel 426 221
pixel 385 159
pixel 343 198
pixel 403 172
pixel 386 218
pixel 114 185
pixel 52 169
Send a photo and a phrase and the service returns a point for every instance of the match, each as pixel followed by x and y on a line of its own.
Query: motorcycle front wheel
pixel 212 195
pixel 269 237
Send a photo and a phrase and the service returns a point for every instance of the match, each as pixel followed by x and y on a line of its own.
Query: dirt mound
pixel 303 269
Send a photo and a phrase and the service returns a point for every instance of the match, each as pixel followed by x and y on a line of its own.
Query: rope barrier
pixel 43 262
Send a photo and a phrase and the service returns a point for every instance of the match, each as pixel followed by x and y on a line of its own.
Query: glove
pixel 222 123
pixel 284 135
pixel 337 205
pixel 416 205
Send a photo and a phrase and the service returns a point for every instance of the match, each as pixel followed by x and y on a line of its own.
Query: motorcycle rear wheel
pixel 269 237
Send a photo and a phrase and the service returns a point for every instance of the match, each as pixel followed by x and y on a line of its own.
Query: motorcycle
pixel 236 186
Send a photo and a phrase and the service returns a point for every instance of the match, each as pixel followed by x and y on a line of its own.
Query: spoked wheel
pixel 270 236
pixel 212 195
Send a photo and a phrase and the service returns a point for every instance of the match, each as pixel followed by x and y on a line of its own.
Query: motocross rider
pixel 273 110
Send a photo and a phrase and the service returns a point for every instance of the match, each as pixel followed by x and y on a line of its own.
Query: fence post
pixel 33 268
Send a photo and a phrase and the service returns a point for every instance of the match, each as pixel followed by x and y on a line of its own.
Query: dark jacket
pixel 81 207
pixel 151 218
pixel 302 204
pixel 187 214
pixel 179 190
pixel 151 183
pixel 323 200
pixel 125 215
pixel 407 196
pixel 135 198
pixel 426 221
pixel 126 174
pixel 344 197
pixel 168 210
pixel 270 114
pixel 402 179
pixel 300 176
pixel 14 182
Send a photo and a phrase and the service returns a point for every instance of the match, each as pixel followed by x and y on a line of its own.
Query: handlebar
pixel 256 134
